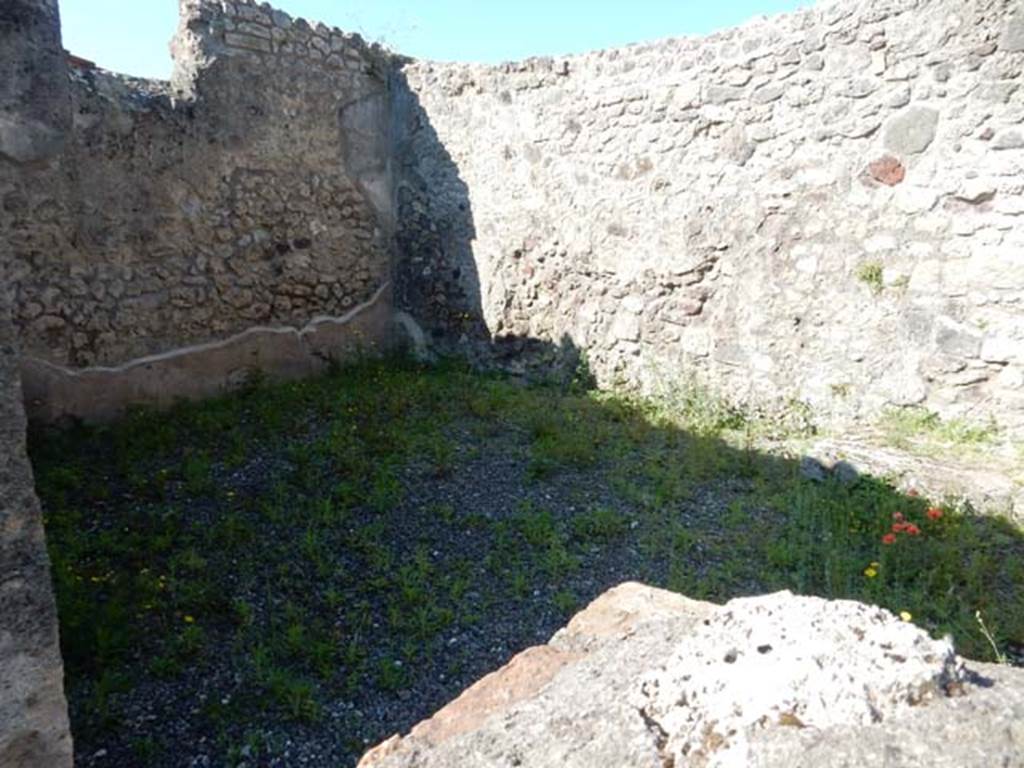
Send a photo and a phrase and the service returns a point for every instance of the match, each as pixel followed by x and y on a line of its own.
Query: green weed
pixel 871 274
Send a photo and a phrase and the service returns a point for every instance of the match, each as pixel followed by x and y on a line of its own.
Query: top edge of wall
pixel 822 15
pixel 209 30
pixel 210 20
pixel 212 29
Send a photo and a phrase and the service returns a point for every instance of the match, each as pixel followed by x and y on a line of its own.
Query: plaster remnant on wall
pixel 54 392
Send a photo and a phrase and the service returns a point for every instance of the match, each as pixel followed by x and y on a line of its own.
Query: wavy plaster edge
pixel 102 393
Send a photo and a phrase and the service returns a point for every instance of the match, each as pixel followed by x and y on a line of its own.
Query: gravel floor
pixel 288 628
pixel 167 722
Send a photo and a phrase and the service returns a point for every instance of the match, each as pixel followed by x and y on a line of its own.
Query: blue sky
pixel 131 36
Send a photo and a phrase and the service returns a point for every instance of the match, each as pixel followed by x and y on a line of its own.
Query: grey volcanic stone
pixel 1009 140
pixel 646 679
pixel 957 340
pixel 911 131
pixel 1012 40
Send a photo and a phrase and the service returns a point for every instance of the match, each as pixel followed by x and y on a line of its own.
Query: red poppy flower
pixel 899 527
pixel 912 529
pixel 889 538
pixel 934 513
pixel 898 516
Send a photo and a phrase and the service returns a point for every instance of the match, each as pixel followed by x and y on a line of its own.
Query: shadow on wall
pixel 437 279
pixel 437 273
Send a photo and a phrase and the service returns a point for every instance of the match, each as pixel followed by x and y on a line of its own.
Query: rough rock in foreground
pixel 34 727
pixel 644 677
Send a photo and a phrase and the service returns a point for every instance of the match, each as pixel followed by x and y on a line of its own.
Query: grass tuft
pixel 871 273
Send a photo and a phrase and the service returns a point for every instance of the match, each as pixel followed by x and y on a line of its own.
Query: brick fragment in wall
pixel 887 170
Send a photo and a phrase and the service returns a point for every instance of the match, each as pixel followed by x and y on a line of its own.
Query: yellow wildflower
pixel 870 572
pixel 905 615
pixel 190 619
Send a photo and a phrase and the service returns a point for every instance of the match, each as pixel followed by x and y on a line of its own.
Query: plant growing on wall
pixel 871 274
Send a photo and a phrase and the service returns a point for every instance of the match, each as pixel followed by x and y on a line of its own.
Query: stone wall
pixel 34 118
pixel 250 193
pixel 821 207
pixel 826 206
